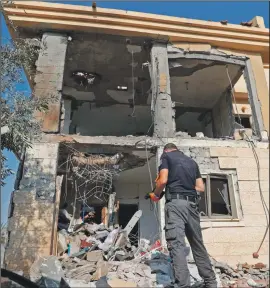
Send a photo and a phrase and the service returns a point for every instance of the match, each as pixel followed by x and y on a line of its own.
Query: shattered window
pixel 220 200
pixel 216 201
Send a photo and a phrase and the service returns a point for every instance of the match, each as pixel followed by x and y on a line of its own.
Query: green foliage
pixel 19 127
pixel 3 232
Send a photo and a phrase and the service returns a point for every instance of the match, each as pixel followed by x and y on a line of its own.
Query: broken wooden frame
pixel 245 64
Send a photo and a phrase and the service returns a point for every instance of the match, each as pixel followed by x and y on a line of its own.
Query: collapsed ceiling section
pixel 97 66
pixel 200 83
pixel 93 171
pixel 107 80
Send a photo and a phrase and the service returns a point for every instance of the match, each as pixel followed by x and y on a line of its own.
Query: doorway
pixel 126 212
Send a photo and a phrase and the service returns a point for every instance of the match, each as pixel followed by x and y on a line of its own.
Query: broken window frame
pixel 231 191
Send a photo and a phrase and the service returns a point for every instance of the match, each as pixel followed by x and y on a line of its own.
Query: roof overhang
pixel 64 17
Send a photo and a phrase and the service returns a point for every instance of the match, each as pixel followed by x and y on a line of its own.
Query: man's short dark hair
pixel 170 146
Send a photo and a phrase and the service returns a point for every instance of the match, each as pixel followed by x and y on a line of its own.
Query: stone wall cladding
pixel 39 171
pixel 236 244
pixel 32 219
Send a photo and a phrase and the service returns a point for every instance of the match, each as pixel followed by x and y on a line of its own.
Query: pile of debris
pixel 92 251
pixel 244 275
pixel 93 255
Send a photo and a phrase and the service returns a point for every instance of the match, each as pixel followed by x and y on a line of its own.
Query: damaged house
pixel 127 83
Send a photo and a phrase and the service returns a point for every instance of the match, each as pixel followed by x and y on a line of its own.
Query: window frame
pixel 231 192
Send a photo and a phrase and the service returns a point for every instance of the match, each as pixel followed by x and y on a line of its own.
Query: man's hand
pixel 154 197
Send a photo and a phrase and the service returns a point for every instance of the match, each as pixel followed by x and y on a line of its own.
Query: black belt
pixel 183 197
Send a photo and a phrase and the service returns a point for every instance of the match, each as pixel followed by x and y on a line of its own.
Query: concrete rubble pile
pixel 93 255
pixel 244 275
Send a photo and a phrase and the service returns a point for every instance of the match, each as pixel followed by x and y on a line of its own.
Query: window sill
pixel 219 223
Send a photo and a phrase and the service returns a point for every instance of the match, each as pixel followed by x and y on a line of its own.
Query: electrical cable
pixel 133 85
pixel 153 206
pixel 265 208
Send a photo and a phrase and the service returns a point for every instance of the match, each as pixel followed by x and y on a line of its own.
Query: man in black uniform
pixel 182 179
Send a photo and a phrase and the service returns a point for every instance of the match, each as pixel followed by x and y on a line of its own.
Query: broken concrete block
pixel 74 248
pixel 118 283
pixel 61 242
pixel 101 234
pixel 51 268
pixel 200 135
pixel 95 256
pixel 74 283
pixel 92 228
pixel 102 270
pixel 252 283
pixel 82 272
pixel 121 255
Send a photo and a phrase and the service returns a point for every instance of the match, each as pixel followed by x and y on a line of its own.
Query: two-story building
pixel 127 83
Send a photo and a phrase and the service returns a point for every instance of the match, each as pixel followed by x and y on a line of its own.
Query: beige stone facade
pixel 236 244
pixel 100 119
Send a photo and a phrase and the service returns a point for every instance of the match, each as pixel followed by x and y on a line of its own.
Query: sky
pixel 233 11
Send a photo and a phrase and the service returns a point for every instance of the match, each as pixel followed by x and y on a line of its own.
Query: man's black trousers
pixel 182 218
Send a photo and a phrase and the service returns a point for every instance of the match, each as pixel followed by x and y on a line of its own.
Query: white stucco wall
pixel 128 193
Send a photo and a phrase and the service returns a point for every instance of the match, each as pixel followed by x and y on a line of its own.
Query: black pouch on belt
pixel 168 195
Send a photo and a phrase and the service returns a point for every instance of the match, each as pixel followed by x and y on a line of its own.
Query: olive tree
pixel 19 127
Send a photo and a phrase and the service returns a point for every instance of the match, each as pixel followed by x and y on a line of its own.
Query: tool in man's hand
pixel 153 197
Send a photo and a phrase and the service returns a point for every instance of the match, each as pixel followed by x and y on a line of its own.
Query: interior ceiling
pixel 139 174
pixel 110 57
pixel 200 83
pixel 194 83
